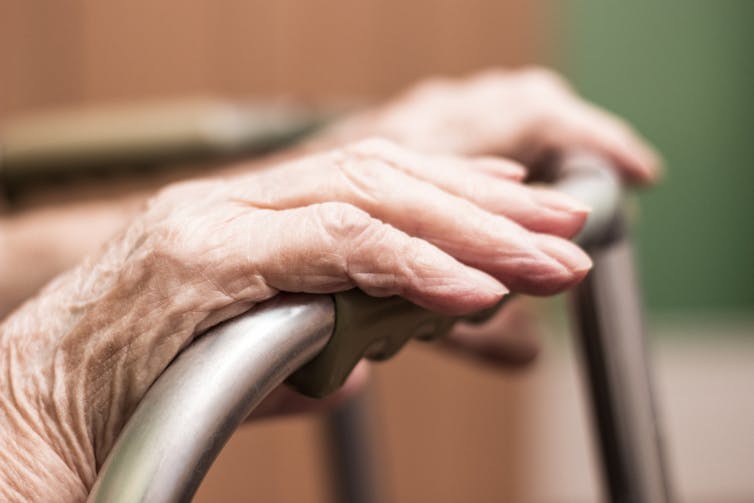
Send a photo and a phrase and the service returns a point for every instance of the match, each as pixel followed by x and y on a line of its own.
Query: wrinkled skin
pixel 447 230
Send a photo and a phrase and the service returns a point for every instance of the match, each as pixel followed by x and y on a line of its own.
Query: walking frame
pixel 313 341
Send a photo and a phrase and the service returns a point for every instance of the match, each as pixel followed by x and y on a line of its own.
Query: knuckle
pixel 419 264
pixel 371 165
pixel 343 221
pixel 365 178
pixel 365 172
pixel 166 231
pixel 415 251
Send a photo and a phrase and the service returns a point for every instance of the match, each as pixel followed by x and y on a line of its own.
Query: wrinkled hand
pixel 531 115
pixel 527 115
pixel 448 233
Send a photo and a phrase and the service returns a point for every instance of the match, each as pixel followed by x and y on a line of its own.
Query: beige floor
pixel 705 385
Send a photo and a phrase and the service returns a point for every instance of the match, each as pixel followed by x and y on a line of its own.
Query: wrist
pixel 32 470
pixel 78 358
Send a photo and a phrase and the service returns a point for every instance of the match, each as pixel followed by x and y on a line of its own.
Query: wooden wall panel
pixel 57 53
pixel 449 428
pixel 40 54
pixel 144 48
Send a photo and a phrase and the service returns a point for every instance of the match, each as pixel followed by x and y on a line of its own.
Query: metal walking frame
pixel 212 386
pixel 313 341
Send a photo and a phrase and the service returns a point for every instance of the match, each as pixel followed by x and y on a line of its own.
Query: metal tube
pixel 193 408
pixel 609 318
pixel 608 314
pixel 354 452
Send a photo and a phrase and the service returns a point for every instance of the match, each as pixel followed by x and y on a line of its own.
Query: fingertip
pixel 654 166
pixel 568 254
pixel 471 290
pixel 634 156
pixel 648 159
pixel 487 285
pixel 637 168
pixel 639 174
pixel 640 163
pixel 562 214
pixel 574 261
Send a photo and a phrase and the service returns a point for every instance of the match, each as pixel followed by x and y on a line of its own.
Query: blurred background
pixel 682 71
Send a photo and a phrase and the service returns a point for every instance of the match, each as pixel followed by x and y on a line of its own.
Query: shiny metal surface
pixel 611 334
pixel 591 179
pixel 610 329
pixel 190 412
pixel 354 452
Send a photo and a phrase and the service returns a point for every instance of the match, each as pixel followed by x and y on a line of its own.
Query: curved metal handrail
pixel 192 409
pixel 190 412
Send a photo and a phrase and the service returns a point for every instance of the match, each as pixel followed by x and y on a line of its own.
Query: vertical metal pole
pixel 609 316
pixel 354 456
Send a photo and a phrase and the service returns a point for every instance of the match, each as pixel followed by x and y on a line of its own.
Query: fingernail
pixel 565 252
pixel 561 202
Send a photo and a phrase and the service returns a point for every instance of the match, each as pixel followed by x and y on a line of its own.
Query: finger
pixel 510 338
pixel 332 247
pixel 537 209
pixel 497 167
pixel 585 125
pixel 523 261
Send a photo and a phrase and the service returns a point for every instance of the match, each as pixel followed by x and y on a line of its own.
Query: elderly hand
pixel 449 233
pixel 526 115
pixel 530 115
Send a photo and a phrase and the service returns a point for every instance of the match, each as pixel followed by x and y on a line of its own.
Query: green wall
pixel 683 72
